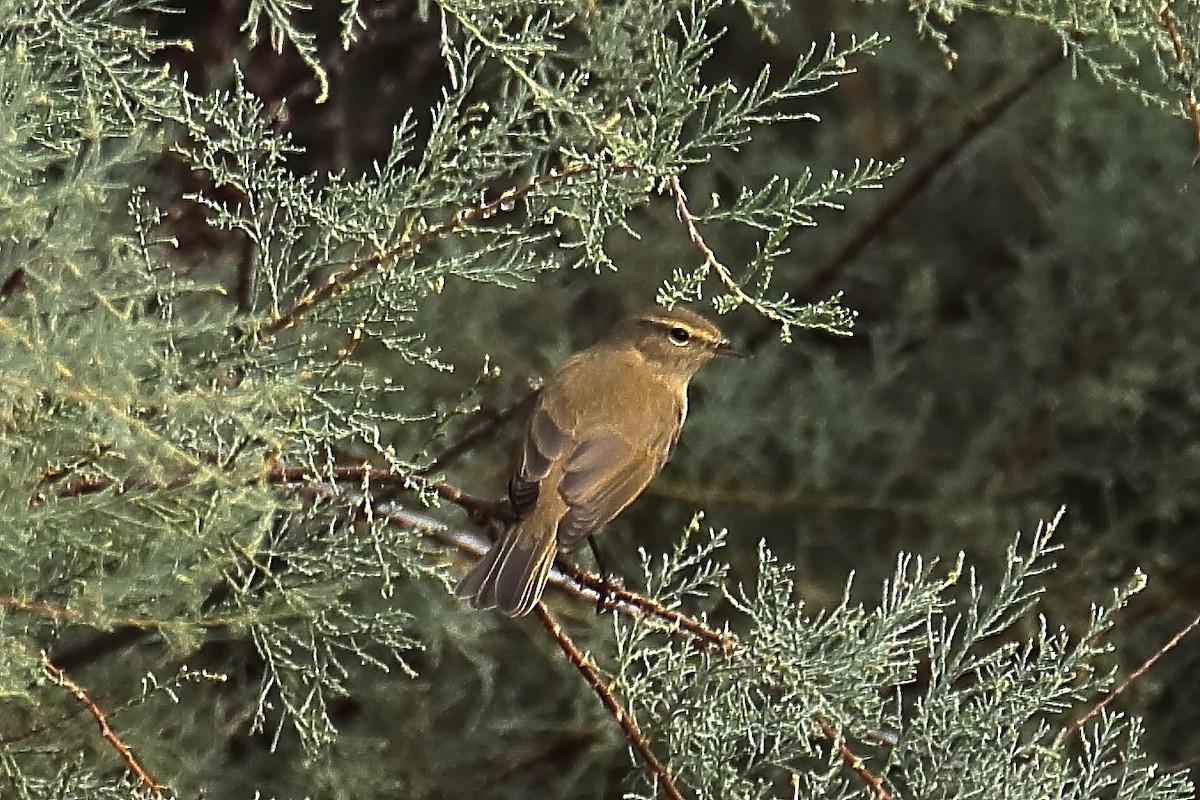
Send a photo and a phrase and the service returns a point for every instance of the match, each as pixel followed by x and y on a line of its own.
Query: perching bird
pixel 602 427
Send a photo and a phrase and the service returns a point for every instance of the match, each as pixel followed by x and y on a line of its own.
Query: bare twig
pixel 649 606
pixel 659 771
pixel 1119 689
pixel 874 784
pixel 564 577
pixel 711 262
pixel 480 510
pixel 710 258
pixel 106 732
pixel 1167 20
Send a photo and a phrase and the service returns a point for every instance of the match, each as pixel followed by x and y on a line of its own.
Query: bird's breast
pixel 615 389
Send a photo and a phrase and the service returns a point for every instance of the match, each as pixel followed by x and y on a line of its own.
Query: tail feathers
pixel 512 575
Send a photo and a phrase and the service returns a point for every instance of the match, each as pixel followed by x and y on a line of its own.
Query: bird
pixel 603 426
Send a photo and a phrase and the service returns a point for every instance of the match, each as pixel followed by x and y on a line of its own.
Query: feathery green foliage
pixel 1145 48
pixel 203 341
pixel 929 687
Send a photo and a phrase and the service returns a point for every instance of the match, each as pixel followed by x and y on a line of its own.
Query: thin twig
pixel 106 732
pixel 1167 20
pixel 564 577
pixel 410 246
pixel 710 258
pixel 853 761
pixel 1075 726
pixel 648 606
pixel 481 511
pixel 662 777
pixel 711 262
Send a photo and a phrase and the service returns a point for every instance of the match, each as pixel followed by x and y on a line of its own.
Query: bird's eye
pixel 679 335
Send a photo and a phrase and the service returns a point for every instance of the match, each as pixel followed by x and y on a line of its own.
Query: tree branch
pixel 1167 20
pixel 155 788
pixel 851 760
pixel 1120 688
pixel 660 773
pixel 482 429
pixel 408 247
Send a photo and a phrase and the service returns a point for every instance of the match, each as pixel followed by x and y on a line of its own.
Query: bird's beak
pixel 724 348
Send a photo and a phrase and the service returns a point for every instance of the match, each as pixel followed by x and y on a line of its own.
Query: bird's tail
pixel 512 575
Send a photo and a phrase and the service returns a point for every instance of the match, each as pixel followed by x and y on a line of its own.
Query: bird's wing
pixel 604 473
pixel 545 443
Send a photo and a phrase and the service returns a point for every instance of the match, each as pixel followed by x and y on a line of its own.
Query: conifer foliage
pixel 235 447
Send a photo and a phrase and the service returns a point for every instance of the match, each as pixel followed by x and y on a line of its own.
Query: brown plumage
pixel 602 428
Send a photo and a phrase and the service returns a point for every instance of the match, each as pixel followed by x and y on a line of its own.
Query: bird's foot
pixel 607 588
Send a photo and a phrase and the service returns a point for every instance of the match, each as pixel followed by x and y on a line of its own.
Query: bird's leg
pixel 602 590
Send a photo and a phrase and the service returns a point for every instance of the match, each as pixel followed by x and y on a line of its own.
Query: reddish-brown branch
pixel 874 784
pixel 1167 20
pixel 625 602
pixel 90 484
pixel 106 732
pixel 481 511
pixel 35 607
pixel 1120 688
pixel 711 262
pixel 408 247
pixel 360 472
pixel 659 771
pixel 649 606
pixel 566 577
